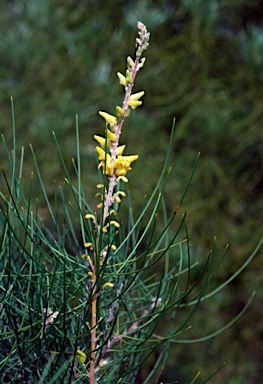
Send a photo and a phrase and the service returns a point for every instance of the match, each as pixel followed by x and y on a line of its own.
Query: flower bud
pixel 128 76
pixel 90 216
pixel 103 155
pixel 108 285
pixel 100 140
pixel 119 111
pixel 82 356
pixel 134 103
pixel 110 135
pixel 108 118
pixel 137 96
pixel 120 149
pixel 122 78
pixel 130 63
pixel 115 223
pixel 141 63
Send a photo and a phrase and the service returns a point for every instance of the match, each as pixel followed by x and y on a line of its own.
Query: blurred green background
pixel 204 66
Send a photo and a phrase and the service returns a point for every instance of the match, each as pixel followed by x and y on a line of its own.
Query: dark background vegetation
pixel 59 58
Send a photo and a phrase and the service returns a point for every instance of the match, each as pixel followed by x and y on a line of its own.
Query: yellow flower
pixel 130 63
pixel 128 76
pixel 88 245
pixel 108 285
pixel 82 356
pixel 91 275
pixel 122 164
pixel 122 79
pixel 108 118
pixel 110 135
pixel 137 96
pixel 103 155
pixel 109 170
pixel 134 103
pixel 102 141
pixel 123 194
pixel 120 149
pixel 115 223
pixel 90 216
pixel 119 111
pixel 123 178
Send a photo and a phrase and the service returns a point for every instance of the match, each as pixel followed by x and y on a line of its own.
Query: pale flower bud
pixel 108 118
pixel 122 79
pixel 128 76
pixel 119 111
pixel 82 356
pixel 137 96
pixel 134 103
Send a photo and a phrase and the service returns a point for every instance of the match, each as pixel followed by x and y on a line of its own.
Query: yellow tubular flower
pixel 90 216
pixel 108 118
pixel 122 164
pixel 103 155
pixel 123 178
pixel 110 136
pixel 101 141
pixel 130 63
pixel 82 356
pixel 115 223
pixel 123 194
pixel 120 149
pixel 88 245
pixel 108 285
pixel 109 170
pixel 122 79
pixel 134 103
pixel 137 96
pixel 128 76
pixel 91 275
pixel 119 111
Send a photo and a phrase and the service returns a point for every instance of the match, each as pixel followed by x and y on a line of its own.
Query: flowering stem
pixel 113 179
pixel 114 165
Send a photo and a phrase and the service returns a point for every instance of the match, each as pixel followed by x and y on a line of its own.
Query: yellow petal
pixel 108 285
pixel 88 245
pixel 102 154
pixel 119 111
pixel 100 140
pixel 128 76
pixel 82 356
pixel 120 149
pixel 129 159
pixel 123 178
pixel 110 136
pixel 137 96
pixel 90 216
pixel 134 103
pixel 121 172
pixel 121 193
pixel 130 63
pixel 108 118
pixel 115 223
pixel 122 79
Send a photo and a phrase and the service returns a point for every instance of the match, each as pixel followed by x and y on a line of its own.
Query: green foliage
pixel 46 294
